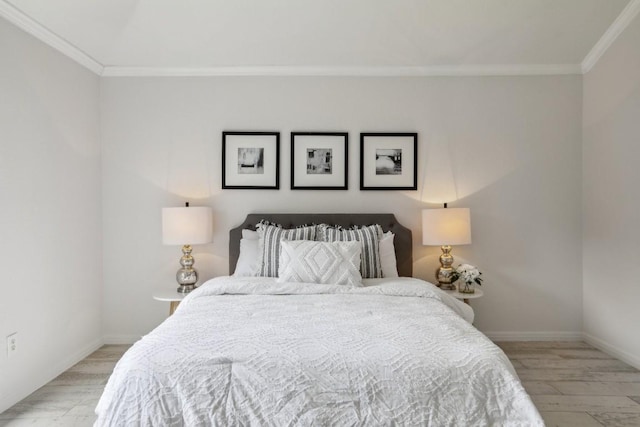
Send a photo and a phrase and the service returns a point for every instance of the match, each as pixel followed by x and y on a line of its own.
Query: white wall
pixel 50 227
pixel 524 153
pixel 507 147
pixel 612 198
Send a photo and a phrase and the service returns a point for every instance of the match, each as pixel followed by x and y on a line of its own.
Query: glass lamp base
pixel 445 271
pixel 186 276
pixel 444 279
pixel 185 289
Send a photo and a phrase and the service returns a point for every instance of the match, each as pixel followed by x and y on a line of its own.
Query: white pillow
pixel 336 263
pixel 247 265
pixel 250 234
pixel 388 255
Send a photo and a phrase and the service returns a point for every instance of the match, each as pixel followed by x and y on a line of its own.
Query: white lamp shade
pixel 450 226
pixel 187 226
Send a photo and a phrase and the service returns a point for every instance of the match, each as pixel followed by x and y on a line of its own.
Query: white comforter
pixel 251 351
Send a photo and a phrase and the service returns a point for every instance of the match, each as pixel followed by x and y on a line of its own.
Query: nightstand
pixel 466 297
pixel 171 295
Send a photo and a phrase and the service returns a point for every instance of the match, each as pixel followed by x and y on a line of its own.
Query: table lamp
pixel 186 226
pixel 444 228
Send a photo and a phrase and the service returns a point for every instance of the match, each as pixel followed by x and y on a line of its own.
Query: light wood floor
pixel 68 400
pixel 571 383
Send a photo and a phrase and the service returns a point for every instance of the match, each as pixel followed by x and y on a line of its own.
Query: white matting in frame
pixel 319 160
pixel 388 161
pixel 250 160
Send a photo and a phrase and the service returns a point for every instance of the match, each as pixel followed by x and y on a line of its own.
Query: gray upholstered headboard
pixel 403 241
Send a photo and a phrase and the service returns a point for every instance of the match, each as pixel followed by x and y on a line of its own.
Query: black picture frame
pixel 334 156
pixel 260 170
pixel 399 171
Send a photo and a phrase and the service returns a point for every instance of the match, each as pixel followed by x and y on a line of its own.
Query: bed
pixel 265 352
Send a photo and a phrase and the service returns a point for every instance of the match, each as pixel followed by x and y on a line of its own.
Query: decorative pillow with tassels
pixel 270 237
pixel 369 238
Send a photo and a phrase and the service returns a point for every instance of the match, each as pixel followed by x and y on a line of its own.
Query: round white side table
pixel 466 297
pixel 170 295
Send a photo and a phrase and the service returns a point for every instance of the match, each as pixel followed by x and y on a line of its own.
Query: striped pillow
pixel 270 238
pixel 369 238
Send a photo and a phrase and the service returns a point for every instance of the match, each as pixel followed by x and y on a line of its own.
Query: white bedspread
pixel 251 351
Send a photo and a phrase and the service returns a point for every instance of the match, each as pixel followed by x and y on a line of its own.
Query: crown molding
pixel 619 25
pixel 21 20
pixel 430 71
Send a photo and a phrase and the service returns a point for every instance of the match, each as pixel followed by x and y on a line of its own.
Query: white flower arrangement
pixel 468 273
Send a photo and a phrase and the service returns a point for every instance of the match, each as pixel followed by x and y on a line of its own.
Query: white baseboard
pixel 534 336
pixel 120 339
pixel 48 374
pixel 617 352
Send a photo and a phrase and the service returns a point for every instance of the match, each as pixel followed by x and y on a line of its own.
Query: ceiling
pixel 120 37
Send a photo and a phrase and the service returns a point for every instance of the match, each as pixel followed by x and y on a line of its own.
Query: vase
pixel 466 287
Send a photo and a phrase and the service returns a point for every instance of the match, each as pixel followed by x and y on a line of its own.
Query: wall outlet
pixel 12 344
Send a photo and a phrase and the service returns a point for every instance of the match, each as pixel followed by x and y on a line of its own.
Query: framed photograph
pixel 250 160
pixel 388 161
pixel 319 160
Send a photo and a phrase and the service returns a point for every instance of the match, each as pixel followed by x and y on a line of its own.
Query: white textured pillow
pixel 335 263
pixel 388 255
pixel 248 259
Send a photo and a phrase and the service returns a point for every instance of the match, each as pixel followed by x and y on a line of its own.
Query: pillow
pixel 247 264
pixel 388 255
pixel 369 238
pixel 270 238
pixel 250 234
pixel 336 263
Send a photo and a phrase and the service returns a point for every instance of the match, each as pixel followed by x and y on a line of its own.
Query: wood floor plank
pixel 543 344
pixel 602 365
pixel 569 419
pixel 85 409
pixel 516 364
pixel 43 409
pixel 617 420
pixel 109 352
pixel 575 375
pixel 538 354
pixel 597 388
pixel 65 421
pixel 580 353
pixel 80 378
pixel 65 392
pixel 539 387
pixel 93 366
pixel 600 404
